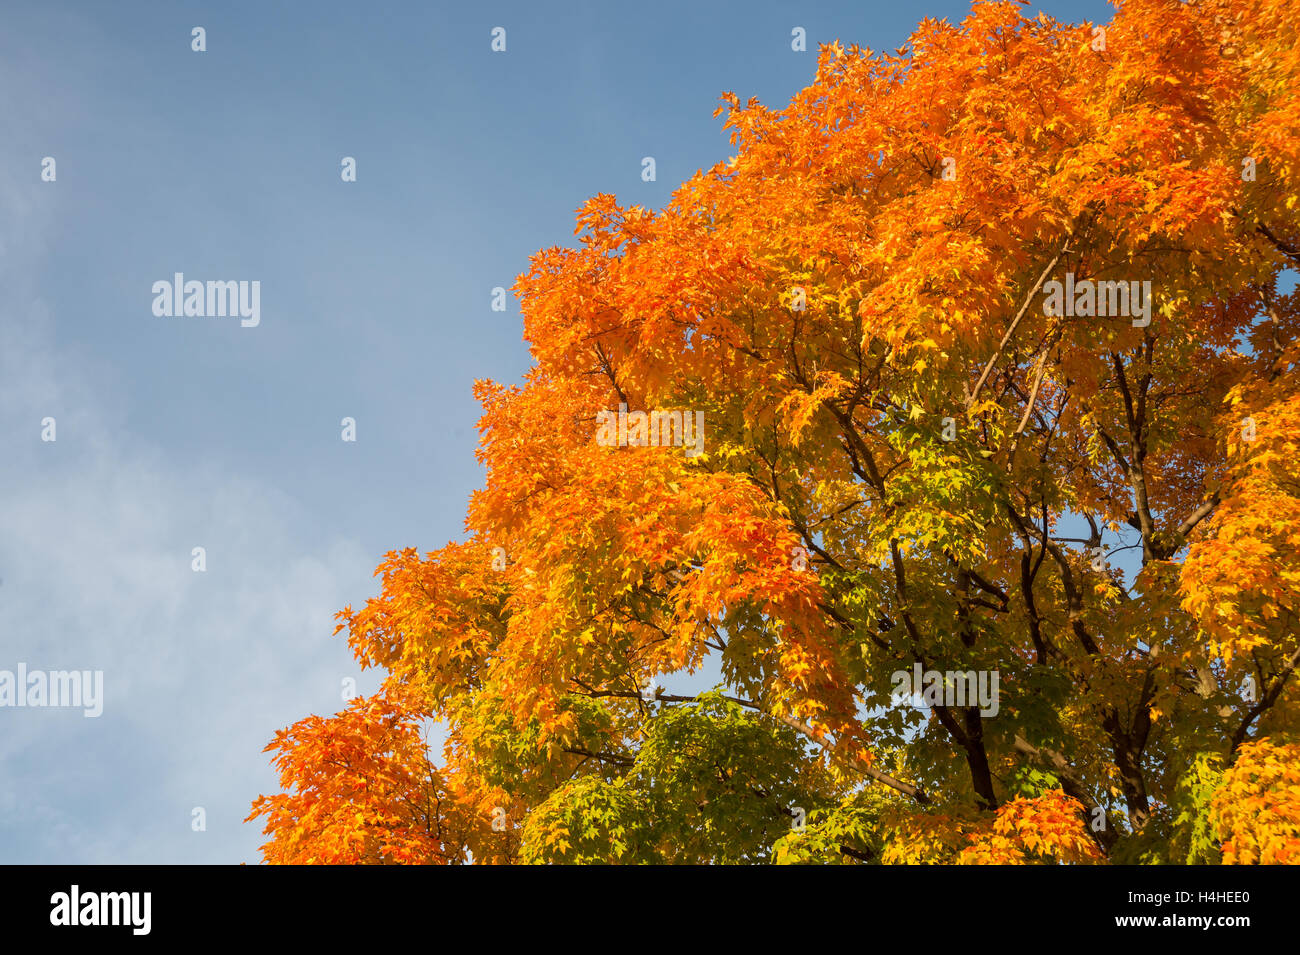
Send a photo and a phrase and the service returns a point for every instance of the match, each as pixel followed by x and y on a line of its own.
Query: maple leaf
pixel 917 467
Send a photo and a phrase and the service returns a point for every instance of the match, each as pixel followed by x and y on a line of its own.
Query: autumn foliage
pixel 907 460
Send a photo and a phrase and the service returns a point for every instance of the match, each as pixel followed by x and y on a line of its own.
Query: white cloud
pixel 200 669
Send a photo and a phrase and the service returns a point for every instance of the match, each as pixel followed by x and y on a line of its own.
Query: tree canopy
pixel 931 419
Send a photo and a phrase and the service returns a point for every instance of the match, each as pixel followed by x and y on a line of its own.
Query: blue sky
pixel 174 433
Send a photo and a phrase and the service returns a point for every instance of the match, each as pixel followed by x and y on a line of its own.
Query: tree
pixel 897 313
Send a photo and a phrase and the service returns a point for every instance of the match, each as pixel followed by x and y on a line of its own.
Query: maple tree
pixel 901 445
